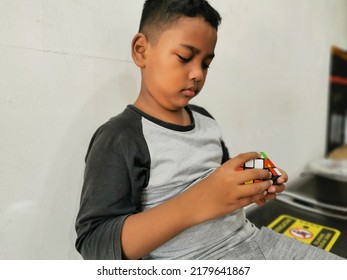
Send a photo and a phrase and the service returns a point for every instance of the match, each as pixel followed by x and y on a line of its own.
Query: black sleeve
pixel 117 168
pixel 226 156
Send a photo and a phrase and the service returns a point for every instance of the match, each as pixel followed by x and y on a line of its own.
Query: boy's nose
pixel 196 73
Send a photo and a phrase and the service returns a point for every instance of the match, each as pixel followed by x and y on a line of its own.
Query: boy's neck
pixel 178 117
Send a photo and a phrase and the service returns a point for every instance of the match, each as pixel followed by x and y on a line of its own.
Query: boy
pixel 159 183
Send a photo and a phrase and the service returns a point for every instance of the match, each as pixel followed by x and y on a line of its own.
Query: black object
pixel 337 110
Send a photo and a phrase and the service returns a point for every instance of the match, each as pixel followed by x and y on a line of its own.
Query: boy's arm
pixel 219 194
pixel 117 168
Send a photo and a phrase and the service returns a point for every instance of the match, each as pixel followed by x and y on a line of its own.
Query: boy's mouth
pixel 190 92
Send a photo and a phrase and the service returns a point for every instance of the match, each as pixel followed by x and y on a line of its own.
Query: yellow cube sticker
pixel 307 232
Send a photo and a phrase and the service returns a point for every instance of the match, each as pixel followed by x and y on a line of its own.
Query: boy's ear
pixel 138 49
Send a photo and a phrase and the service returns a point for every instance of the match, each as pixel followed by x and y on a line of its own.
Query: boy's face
pixel 176 64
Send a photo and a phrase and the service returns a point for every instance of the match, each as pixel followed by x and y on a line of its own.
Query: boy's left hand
pixel 277 187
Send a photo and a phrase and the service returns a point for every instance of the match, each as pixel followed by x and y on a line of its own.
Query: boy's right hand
pixel 220 193
pixel 224 190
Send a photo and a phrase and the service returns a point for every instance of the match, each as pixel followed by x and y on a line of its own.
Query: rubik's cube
pixel 263 163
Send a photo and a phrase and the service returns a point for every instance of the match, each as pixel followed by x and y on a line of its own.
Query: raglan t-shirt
pixel 135 162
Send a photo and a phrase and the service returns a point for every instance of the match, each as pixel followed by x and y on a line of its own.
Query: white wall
pixel 65 68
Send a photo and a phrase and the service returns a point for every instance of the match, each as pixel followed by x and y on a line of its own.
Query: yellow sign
pixel 307 232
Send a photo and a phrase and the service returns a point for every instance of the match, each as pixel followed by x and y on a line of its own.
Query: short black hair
pixel 162 14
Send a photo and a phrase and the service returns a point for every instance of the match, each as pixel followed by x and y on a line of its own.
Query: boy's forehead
pixel 186 23
pixel 186 30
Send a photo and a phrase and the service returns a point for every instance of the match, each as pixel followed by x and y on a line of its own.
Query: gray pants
pixel 269 245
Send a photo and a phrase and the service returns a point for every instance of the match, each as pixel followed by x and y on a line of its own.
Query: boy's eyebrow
pixel 196 51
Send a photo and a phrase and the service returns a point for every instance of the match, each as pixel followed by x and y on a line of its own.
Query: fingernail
pixel 280 180
pixel 265 193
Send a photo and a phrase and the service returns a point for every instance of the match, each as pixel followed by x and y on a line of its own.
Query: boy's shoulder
pixel 118 131
pixel 127 120
pixel 200 110
pixel 125 124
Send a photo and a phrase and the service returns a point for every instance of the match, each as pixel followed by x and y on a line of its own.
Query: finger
pixel 270 196
pixel 272 189
pixel 276 188
pixel 252 174
pixel 261 202
pixel 251 199
pixel 254 189
pixel 283 179
pixel 235 162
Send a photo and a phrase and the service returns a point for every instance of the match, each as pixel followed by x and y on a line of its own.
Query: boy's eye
pixel 205 66
pixel 184 59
